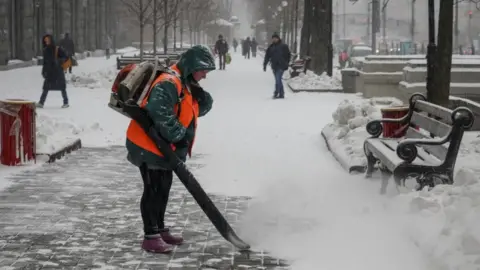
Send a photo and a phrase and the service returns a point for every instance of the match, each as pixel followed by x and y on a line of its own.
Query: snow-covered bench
pixel 298 66
pixel 164 59
pixel 429 149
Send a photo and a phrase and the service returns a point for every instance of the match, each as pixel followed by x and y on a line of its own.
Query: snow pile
pixel 15 61
pixel 54 132
pixel 345 136
pixel 311 81
pixel 127 50
pixel 100 79
pixel 443 222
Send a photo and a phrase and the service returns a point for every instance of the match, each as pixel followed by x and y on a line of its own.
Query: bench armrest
pixel 462 118
pixel 407 148
pixel 375 127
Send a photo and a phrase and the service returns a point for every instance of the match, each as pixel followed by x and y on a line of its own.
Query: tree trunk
pixel 175 32
pixel 155 26
pixel 443 56
pixel 305 33
pixel 181 29
pixel 165 28
pixel 292 24
pixel 142 26
pixel 319 38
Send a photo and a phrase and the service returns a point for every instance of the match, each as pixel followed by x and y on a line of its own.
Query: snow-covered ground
pixel 305 207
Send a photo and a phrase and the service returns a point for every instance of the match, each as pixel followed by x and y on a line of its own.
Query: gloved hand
pixel 265 68
pixel 197 91
pixel 44 75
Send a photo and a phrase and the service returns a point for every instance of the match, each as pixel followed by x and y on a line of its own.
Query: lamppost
pixel 431 49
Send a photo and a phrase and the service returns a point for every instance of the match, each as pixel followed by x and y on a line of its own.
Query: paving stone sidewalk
pixel 83 213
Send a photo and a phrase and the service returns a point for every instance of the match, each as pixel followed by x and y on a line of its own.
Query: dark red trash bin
pixel 17 129
pixel 394 130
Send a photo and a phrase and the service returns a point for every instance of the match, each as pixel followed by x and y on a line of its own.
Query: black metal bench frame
pixel 419 155
pixel 298 67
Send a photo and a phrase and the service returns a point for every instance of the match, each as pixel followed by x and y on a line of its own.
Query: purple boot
pixel 156 245
pixel 171 239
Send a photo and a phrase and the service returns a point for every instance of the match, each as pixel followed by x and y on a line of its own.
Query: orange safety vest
pixel 188 107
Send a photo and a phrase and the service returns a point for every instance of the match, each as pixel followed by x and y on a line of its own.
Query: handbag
pixel 67 63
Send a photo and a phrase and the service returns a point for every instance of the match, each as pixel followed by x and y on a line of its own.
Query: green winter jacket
pixel 160 107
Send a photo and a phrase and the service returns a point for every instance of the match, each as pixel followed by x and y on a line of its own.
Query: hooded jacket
pixel 161 102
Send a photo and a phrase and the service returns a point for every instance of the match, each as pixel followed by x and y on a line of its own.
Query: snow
pixel 305 207
pixel 15 61
pixel 127 50
pixel 346 134
pixel 362 48
pixel 312 82
pixel 452 84
pixel 88 118
pixel 419 56
pixel 442 223
pixel 221 22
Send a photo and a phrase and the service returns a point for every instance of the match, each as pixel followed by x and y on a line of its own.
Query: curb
pixel 315 90
pixel 75 145
pixel 350 169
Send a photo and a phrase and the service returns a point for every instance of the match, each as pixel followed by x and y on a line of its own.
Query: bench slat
pixel 435 110
pixel 382 149
pixel 440 151
pixel 388 157
pixel 437 128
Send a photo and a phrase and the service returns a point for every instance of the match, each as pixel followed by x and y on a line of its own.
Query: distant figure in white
pixel 108 46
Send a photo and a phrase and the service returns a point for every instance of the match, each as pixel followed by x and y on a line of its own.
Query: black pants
pixel 43 97
pixel 156 189
pixel 221 60
pixel 247 54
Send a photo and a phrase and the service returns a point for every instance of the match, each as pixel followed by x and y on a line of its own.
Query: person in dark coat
pixel 221 49
pixel 52 70
pixel 246 48
pixel 69 48
pixel 254 45
pixel 278 55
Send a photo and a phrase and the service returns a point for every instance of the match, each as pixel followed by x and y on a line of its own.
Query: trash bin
pixel 17 129
pixel 394 130
pixel 349 77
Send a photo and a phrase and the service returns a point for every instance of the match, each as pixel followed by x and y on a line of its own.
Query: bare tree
pixel 143 12
pixel 199 13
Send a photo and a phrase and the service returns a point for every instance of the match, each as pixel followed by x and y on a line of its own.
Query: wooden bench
pixel 152 55
pixel 298 65
pixel 428 152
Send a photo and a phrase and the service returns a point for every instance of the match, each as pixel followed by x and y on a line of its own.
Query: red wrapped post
pixel 394 130
pixel 18 131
